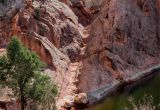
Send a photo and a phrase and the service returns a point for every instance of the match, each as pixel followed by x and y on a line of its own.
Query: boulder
pixel 81 98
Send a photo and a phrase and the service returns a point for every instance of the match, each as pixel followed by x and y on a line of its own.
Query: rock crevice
pixel 87 44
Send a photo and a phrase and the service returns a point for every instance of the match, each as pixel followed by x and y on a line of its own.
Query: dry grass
pixel 146 104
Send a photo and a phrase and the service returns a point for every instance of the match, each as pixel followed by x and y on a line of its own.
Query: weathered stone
pixel 51 30
pixel 124 39
pixel 81 98
pixel 89 44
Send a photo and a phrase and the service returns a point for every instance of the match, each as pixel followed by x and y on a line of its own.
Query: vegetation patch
pixel 21 70
pixel 146 104
pixel 37 13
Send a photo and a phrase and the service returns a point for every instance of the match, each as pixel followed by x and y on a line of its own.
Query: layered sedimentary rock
pixel 123 41
pixel 88 44
pixel 50 29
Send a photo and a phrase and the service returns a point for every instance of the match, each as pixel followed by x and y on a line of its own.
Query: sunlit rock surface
pixel 87 44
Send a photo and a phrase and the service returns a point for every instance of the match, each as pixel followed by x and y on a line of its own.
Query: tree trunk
pixel 22 102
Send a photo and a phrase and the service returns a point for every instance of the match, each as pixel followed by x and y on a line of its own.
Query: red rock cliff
pixel 124 39
pixel 90 44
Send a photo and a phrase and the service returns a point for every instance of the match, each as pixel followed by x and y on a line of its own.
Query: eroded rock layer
pixel 124 40
pixel 50 29
pixel 87 44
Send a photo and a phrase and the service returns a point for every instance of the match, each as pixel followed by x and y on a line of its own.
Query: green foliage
pixel 4 69
pixel 40 86
pixel 37 13
pixel 43 92
pixel 21 70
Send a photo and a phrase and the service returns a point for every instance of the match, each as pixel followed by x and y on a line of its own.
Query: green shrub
pixel 37 13
pixel 21 70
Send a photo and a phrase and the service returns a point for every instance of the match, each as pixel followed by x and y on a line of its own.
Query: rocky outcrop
pixel 90 46
pixel 75 100
pixel 123 41
pixel 50 29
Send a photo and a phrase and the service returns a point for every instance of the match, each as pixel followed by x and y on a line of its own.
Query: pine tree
pixel 21 70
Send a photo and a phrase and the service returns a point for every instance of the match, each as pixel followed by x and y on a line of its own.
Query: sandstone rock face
pixel 124 39
pixel 74 100
pixel 51 30
pixel 87 44
pixel 81 98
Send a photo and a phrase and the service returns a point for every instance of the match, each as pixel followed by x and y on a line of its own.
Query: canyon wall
pixel 124 39
pixel 50 29
pixel 87 44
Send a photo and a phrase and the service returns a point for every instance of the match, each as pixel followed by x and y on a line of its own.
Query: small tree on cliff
pixel 21 70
